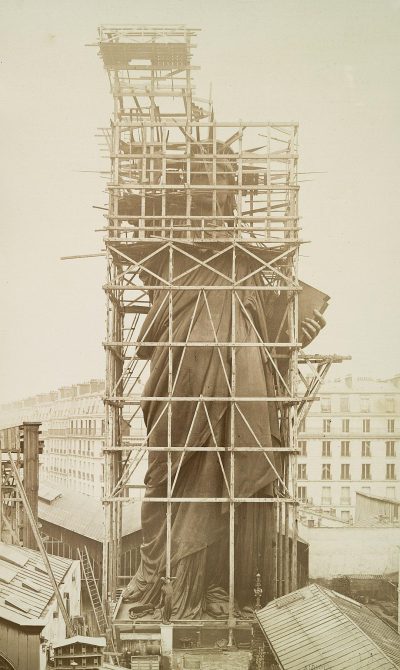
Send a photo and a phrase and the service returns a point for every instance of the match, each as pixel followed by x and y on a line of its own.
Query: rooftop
pixel 25 588
pixel 317 627
pixel 372 496
pixel 353 384
pixel 95 641
pixel 94 387
pixel 82 513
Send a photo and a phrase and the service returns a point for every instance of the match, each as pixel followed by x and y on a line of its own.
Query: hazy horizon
pixel 331 65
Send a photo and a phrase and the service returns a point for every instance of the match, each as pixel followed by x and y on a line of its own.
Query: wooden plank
pixel 31 478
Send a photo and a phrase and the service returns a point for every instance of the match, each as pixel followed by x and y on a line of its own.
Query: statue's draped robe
pixel 200 531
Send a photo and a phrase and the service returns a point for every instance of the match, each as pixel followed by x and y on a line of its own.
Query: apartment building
pixel 349 443
pixel 73 429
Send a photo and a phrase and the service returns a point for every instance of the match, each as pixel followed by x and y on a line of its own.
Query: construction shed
pixel 71 521
pixel 372 508
pixel 80 652
pixel 30 621
pixel 315 627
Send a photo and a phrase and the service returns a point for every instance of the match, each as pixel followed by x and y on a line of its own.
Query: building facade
pixel 73 430
pixel 349 443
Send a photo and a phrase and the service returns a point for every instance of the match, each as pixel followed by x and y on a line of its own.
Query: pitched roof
pixel 95 641
pixel 376 629
pixel 372 496
pixel 25 588
pixel 81 513
pixel 316 627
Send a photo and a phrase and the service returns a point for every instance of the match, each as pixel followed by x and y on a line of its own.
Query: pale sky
pixel 331 65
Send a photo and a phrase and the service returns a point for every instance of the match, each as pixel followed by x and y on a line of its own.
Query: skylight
pixel 16 603
pixel 7 572
pixel 13 555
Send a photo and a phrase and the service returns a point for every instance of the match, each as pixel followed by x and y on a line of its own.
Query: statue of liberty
pixel 200 530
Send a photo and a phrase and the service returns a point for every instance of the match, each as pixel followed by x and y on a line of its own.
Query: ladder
pixel 94 595
pixel 97 605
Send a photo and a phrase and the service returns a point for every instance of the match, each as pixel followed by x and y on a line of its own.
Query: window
pixel 326 496
pixel 302 426
pixel 389 405
pixel 345 495
pixel 345 515
pixel 326 471
pixel 302 447
pixel 326 426
pixel 364 404
pixel 390 471
pixel 366 471
pixel 391 492
pixel 390 425
pixel 325 404
pixel 67 605
pixel 390 449
pixel 326 448
pixel 302 493
pixel 301 471
pixel 365 448
pixel 345 425
pixel 344 404
pixel 366 489
pixel 345 471
pixel 366 425
pixel 345 448
pixel 83 649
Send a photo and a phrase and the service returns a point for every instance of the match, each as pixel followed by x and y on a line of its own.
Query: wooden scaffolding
pixel 167 151
pixel 20 447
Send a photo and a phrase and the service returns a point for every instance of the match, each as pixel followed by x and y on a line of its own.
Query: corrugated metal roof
pixel 315 627
pixel 26 595
pixel 376 629
pixel 84 514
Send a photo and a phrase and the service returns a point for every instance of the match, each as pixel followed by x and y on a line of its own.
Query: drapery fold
pixel 199 531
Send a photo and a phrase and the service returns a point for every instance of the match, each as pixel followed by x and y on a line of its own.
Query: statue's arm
pixel 310 327
pixel 312 304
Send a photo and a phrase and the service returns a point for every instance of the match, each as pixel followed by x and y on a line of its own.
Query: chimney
pixel 68 392
pixel 348 380
pixel 396 380
pixel 97 386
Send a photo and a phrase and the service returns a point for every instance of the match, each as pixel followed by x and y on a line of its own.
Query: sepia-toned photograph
pixel 200 379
